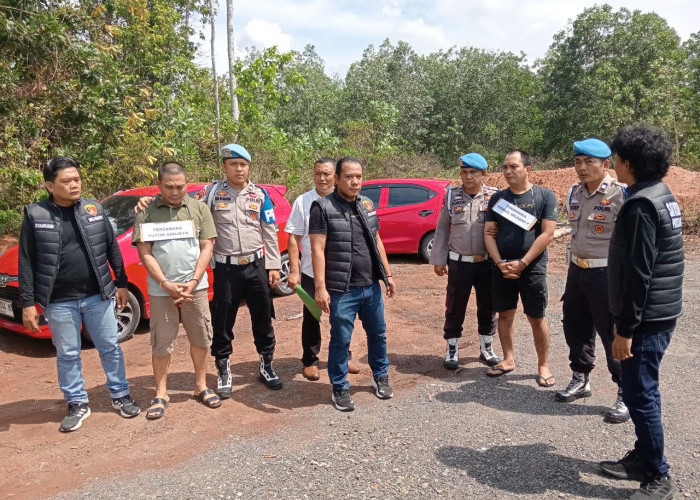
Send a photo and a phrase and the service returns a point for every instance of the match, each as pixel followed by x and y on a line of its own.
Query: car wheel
pixel 282 290
pixel 426 246
pixel 127 320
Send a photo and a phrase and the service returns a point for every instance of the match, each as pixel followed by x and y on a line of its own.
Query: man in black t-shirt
pixel 525 215
pixel 66 249
pixel 348 260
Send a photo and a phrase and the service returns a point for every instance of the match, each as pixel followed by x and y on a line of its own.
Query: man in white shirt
pixel 298 229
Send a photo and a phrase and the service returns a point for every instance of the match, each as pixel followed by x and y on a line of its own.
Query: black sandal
pixel 213 401
pixel 153 412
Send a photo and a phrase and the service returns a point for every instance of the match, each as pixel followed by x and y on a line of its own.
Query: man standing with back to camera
pixel 592 206
pixel 645 273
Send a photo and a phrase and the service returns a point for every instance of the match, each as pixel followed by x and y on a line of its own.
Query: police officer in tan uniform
pixel 592 207
pixel 459 251
pixel 245 223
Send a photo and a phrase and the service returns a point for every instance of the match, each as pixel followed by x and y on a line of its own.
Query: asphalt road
pixel 454 435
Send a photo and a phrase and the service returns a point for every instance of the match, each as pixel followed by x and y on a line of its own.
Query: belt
pixel 238 261
pixel 588 263
pixel 467 258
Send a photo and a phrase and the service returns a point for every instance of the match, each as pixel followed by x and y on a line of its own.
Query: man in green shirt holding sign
pixel 525 215
pixel 174 239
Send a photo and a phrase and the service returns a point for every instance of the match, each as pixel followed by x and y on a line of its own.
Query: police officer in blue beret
pixel 459 251
pixel 592 206
pixel 246 264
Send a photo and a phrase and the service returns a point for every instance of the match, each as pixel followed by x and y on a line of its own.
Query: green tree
pixel 480 101
pixel 609 69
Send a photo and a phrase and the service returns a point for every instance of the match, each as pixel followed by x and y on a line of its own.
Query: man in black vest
pixel 66 248
pixel 348 260
pixel 645 278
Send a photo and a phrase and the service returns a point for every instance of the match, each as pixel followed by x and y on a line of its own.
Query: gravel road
pixel 454 435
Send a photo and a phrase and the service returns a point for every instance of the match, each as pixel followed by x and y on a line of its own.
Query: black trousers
pixel 231 284
pixel 461 277
pixel 310 328
pixel 586 311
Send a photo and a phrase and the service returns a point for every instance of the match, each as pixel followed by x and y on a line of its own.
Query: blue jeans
pixel 65 320
pixel 640 391
pixel 367 302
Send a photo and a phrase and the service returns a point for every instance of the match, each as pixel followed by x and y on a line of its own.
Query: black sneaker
pixel 631 466
pixel 381 384
pixel 618 413
pixel 77 412
pixel 452 355
pixel 579 387
pixel 342 400
pixel 267 374
pixel 128 408
pixel 657 488
pixel 223 385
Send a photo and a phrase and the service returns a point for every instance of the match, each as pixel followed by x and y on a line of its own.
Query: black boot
pixel 267 374
pixel 223 385
pixel 618 413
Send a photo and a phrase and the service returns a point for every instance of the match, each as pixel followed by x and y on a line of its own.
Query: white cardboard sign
pixel 516 215
pixel 174 230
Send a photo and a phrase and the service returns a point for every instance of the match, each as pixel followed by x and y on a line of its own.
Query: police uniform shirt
pixel 244 222
pixel 460 227
pixel 592 217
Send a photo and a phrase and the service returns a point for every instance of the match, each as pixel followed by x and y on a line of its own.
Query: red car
pixel 408 211
pixel 119 208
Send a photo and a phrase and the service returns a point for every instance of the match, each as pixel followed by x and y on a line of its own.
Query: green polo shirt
pixel 177 258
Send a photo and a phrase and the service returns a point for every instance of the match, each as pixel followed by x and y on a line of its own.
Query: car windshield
pixel 120 211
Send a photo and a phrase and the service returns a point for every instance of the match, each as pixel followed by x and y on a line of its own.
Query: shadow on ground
pixel 532 469
pixel 512 393
pixel 247 390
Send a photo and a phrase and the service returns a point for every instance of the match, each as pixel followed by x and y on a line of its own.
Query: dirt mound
pixel 684 184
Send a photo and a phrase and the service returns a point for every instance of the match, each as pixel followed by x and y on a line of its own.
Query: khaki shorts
pixel 166 318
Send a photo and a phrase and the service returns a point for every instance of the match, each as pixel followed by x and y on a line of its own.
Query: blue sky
pixel 341 30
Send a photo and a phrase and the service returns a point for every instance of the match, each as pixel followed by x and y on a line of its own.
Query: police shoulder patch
pixel 91 209
pixel 674 211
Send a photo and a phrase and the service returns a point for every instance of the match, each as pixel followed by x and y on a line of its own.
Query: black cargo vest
pixel 339 239
pixel 665 287
pixel 45 219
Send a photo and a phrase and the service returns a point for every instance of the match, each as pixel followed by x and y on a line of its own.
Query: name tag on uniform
pixel 516 215
pixel 174 230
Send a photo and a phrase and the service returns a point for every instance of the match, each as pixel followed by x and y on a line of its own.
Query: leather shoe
pixel 311 372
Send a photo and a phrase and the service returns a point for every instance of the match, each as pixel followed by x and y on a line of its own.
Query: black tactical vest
pixel 45 219
pixel 666 283
pixel 339 239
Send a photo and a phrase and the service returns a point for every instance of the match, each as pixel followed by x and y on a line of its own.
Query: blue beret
pixel 235 151
pixel 592 147
pixel 473 160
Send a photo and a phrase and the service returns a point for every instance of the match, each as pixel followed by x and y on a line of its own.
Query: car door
pixel 408 213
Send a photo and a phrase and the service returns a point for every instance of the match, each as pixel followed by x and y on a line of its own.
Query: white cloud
pixel 341 31
pixel 263 34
